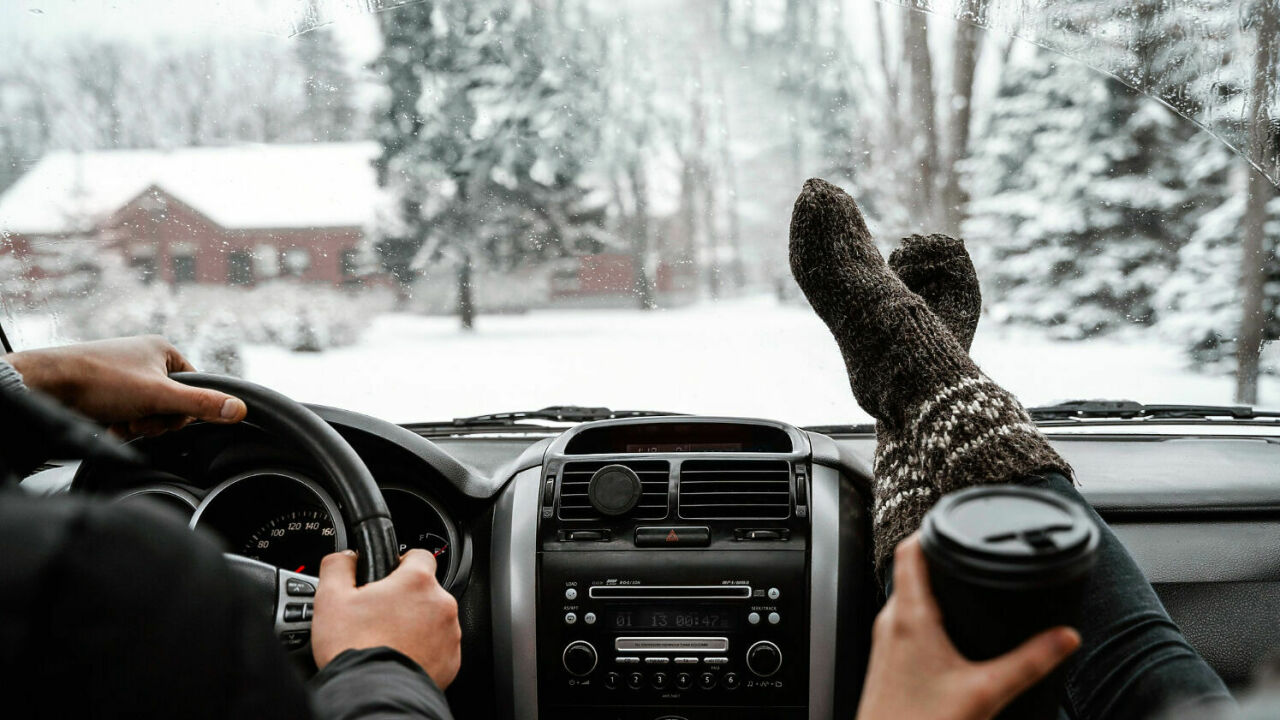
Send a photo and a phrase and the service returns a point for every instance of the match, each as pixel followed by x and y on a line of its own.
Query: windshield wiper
pixel 1128 409
pixel 556 413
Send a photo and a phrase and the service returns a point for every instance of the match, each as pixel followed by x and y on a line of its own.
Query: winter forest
pixel 640 158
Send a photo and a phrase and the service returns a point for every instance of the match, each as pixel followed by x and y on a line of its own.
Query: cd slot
pixel 669 592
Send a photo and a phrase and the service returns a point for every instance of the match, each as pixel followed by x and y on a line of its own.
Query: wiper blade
pixel 1128 409
pixel 557 413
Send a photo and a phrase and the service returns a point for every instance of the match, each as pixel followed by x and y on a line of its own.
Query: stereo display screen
pixel 657 617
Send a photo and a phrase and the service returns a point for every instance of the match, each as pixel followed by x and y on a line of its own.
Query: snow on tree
pixel 1076 199
pixel 327 86
pixel 491 120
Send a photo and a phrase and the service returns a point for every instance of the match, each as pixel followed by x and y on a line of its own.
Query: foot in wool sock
pixel 939 270
pixel 954 427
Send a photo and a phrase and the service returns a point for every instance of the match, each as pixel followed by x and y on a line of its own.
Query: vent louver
pixel 735 490
pixel 576 476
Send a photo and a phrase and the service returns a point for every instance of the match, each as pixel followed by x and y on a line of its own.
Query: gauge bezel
pixel 456 542
pixel 186 497
pixel 327 502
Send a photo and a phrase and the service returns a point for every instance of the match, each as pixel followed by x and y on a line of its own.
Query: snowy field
pixel 748 357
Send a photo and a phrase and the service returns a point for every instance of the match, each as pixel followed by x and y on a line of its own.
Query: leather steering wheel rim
pixel 364 511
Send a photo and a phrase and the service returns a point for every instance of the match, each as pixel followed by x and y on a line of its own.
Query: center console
pixel 672 571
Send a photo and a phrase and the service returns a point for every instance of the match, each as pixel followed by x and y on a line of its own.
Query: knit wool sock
pixel 938 269
pixel 952 426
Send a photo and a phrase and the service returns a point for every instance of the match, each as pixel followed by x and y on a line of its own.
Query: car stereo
pixel 673 583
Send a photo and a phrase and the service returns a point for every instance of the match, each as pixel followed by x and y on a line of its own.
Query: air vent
pixel 735 490
pixel 576 476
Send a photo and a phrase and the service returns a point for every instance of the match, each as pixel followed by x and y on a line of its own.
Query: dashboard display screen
pixel 656 617
pixel 684 447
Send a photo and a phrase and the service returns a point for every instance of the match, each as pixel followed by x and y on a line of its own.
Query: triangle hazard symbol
pixel 672 537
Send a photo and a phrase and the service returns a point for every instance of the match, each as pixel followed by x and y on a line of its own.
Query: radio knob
pixel 614 490
pixel 579 658
pixel 764 658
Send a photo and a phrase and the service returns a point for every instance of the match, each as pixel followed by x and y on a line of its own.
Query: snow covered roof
pixel 238 187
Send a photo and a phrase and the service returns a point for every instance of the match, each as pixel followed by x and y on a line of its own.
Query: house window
pixel 240 268
pixel 349 263
pixel 297 260
pixel 184 269
pixel 145 266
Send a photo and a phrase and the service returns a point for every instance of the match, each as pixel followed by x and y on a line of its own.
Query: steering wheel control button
pixel 293 612
pixel 570 618
pixel 774 618
pixel 754 618
pixel 774 593
pixel 571 594
pixel 684 681
pixel 299 588
pixel 295 639
pixel 614 490
pixel 589 618
pixel 669 537
pixel 307 611
pixel 611 680
pixel 635 680
pixel 707 680
pixel 764 658
pixel 579 658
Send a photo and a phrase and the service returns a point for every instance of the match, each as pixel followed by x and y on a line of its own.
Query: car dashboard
pixel 683 567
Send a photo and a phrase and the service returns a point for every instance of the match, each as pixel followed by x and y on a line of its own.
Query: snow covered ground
pixel 748 357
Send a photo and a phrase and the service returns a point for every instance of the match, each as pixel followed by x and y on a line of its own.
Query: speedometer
pixel 294 541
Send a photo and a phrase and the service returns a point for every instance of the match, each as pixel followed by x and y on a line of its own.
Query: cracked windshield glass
pixel 424 210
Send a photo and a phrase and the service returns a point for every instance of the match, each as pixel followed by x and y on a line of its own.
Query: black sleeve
pixel 379 684
pixel 131 615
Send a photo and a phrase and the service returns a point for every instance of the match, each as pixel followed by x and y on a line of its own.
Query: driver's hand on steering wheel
pixel 124 383
pixel 407 611
pixel 916 672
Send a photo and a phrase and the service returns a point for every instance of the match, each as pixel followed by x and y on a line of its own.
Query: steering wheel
pixel 343 473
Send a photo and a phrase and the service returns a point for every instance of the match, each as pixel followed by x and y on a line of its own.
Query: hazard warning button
pixel 673 536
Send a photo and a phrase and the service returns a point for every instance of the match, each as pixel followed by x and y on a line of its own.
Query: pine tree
pixel 1077 204
pixel 492 117
pixel 327 87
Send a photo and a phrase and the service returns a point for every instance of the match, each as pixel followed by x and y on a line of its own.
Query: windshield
pixel 422 210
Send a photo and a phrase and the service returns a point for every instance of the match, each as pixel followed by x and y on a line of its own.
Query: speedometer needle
pixel 300 568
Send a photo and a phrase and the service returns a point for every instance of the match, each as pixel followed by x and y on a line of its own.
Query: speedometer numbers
pixel 294 541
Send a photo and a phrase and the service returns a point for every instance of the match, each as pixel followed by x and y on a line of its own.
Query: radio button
pixel 659 680
pixel 774 618
pixel 571 594
pixel 684 681
pixel 657 661
pixel 731 681
pixel 589 618
pixel 579 658
pixel 715 660
pixel 611 680
pixel 774 593
pixel 686 661
pixel 707 680
pixel 754 618
pixel 627 660
pixel 635 680
pixel 570 618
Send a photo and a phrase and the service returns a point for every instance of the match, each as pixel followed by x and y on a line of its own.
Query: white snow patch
pixel 748 357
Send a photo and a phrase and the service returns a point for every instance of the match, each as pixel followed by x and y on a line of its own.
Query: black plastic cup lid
pixel 1009 535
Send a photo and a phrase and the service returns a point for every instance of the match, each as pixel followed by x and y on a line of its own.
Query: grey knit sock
pixel 946 425
pixel 939 270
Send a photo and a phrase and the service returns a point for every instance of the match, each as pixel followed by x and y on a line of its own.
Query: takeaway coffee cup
pixel 1006 562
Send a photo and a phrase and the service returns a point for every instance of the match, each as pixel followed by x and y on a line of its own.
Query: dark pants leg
pixel 1134 663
